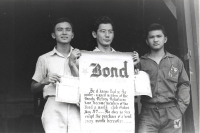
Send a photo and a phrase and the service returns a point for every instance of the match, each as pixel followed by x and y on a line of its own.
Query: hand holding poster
pixel 107 92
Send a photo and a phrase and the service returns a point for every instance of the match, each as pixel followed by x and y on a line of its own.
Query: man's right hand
pixel 74 56
pixel 135 57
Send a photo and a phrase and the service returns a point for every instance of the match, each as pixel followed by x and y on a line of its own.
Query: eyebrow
pixel 106 29
pixel 64 28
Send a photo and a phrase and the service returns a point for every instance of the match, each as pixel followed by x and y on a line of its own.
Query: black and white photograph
pixel 99 66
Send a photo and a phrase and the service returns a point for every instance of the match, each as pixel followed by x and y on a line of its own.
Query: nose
pixel 107 34
pixel 64 32
pixel 155 39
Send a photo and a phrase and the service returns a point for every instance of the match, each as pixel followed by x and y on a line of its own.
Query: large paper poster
pixel 107 92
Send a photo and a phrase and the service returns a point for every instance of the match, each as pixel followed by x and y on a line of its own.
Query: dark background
pixel 25 34
pixel 32 28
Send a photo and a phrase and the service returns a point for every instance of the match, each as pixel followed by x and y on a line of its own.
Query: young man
pixel 169 84
pixel 104 33
pixel 57 117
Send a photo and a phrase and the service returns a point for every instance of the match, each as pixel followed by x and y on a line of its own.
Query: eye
pixel 59 29
pixel 151 37
pixel 68 29
pixel 159 36
pixel 102 31
pixel 111 31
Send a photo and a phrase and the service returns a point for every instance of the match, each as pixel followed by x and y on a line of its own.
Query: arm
pixel 136 61
pixel 183 93
pixel 74 66
pixel 38 86
pixel 41 76
pixel 136 58
pixel 74 62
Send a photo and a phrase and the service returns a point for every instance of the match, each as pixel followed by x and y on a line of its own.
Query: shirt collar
pixel 97 49
pixel 167 54
pixel 55 51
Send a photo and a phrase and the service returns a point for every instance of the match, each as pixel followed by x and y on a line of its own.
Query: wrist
pixel 71 63
pixel 43 83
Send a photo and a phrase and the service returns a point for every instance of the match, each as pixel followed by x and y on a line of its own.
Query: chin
pixel 106 44
pixel 64 41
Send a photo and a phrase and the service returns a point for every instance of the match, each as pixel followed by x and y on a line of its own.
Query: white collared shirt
pixel 51 62
pixel 97 49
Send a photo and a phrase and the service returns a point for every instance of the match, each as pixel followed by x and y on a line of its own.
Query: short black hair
pixel 156 26
pixel 102 20
pixel 60 20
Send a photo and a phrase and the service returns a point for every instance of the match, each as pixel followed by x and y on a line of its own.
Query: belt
pixel 50 96
pixel 158 105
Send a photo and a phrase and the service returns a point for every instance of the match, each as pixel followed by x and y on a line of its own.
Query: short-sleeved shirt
pixel 51 62
pixel 169 80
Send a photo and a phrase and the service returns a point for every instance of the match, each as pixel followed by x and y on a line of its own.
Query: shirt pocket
pixel 172 74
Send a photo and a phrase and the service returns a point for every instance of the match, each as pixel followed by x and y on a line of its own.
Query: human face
pixel 104 35
pixel 156 40
pixel 63 33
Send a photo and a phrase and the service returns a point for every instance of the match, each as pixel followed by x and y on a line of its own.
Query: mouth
pixel 155 44
pixel 106 40
pixel 64 37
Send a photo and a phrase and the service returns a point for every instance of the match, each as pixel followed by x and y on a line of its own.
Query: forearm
pixel 74 70
pixel 183 87
pixel 36 87
pixel 74 66
pixel 183 98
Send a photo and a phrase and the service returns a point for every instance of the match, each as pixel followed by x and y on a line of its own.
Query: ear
pixel 53 35
pixel 147 42
pixel 165 39
pixel 72 35
pixel 94 34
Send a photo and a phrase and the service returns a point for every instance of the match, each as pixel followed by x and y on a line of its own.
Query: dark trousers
pixel 155 119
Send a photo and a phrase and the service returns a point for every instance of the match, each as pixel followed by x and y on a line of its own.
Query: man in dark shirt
pixel 169 84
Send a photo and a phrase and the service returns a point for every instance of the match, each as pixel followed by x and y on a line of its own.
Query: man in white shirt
pixel 57 117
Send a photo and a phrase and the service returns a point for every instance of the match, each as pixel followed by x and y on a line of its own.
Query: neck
pixel 64 49
pixel 159 53
pixel 105 49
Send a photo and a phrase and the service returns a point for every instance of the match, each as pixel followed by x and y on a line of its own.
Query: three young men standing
pixel 169 81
